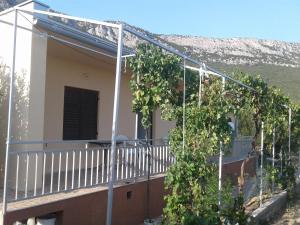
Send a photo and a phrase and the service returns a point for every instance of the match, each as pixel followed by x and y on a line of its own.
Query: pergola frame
pixel 121 28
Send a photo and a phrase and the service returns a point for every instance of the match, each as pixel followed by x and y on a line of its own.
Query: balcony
pixel 53 167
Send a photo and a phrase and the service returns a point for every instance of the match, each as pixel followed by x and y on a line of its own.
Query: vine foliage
pixel 157 82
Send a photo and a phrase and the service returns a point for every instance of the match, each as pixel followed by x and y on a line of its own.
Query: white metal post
pixel 299 164
pixel 200 86
pixel 220 161
pixel 137 153
pixel 10 110
pixel 114 126
pixel 183 104
pixel 220 176
pixel 261 163
pixel 136 127
pixel 60 15
pixel 273 157
pixel 290 122
pixel 223 83
pixel 281 162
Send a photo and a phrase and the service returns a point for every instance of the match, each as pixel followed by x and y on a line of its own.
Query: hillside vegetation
pixel 285 78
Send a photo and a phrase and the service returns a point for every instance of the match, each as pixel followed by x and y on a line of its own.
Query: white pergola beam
pixel 32 11
pixel 212 71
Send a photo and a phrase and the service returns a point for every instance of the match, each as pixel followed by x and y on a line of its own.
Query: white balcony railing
pixel 53 167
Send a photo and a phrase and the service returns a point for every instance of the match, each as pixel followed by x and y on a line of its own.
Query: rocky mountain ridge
pixel 235 51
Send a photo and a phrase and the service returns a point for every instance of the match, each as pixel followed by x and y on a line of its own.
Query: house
pixel 62 108
pixel 61 126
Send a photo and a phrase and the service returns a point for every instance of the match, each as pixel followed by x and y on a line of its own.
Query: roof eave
pixel 82 37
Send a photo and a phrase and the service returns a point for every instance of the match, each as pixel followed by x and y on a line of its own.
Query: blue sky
pixel 266 19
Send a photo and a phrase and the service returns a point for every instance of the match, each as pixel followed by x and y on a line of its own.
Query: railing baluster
pixel 140 160
pixel 168 162
pixel 126 165
pixel 44 173
pixel 97 169
pixel 147 159
pixel 86 166
pixel 35 174
pixel 169 157
pixel 17 177
pixel 122 164
pixel 164 159
pixel 66 171
pixel 144 161
pixel 73 168
pixel 152 159
pixel 156 159
pixel 118 158
pixel 130 164
pixel 79 169
pixel 59 170
pixel 52 167
pixel 92 167
pixel 160 161
pixel 108 163
pixel 26 176
pixel 103 162
pixel 135 163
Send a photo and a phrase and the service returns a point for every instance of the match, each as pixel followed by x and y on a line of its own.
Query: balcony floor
pixel 50 198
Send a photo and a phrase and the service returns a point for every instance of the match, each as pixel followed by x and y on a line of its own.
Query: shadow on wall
pixel 20 110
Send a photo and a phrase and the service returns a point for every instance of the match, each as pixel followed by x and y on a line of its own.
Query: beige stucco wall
pixel 161 127
pixel 65 70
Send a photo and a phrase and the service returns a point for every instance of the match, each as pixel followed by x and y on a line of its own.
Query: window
pixel 80 114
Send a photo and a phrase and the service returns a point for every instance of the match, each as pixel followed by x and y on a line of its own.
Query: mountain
pixel 278 62
pixel 239 51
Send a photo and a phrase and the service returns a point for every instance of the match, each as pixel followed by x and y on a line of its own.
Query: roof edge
pixel 23 4
pixel 79 35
